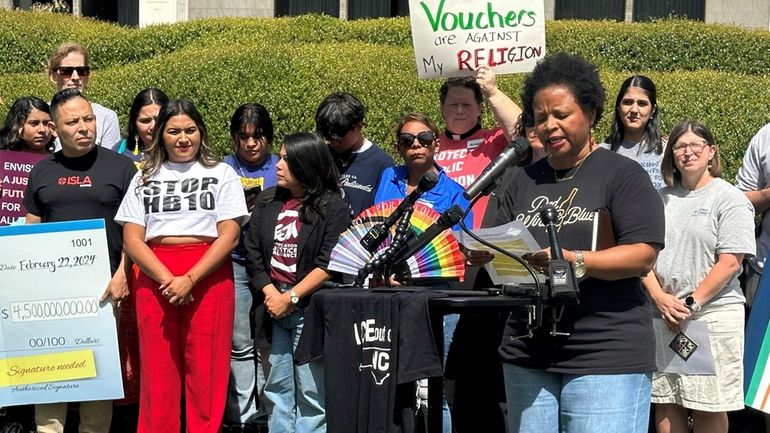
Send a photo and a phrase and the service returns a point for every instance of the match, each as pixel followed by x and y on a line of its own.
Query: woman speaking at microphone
pixel 592 371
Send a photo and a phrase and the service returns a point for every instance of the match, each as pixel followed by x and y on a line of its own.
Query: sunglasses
pixel 334 133
pixel 66 71
pixel 425 138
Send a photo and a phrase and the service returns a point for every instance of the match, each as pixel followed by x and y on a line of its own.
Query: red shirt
pixel 283 263
pixel 463 160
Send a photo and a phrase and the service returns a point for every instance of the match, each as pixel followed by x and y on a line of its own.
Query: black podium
pixel 438 304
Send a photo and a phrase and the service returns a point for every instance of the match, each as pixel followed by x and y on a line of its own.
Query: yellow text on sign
pixel 52 367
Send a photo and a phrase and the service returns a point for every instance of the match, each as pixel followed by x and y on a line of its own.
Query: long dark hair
pixel 11 131
pixel 146 97
pixel 252 114
pixel 157 154
pixel 311 163
pixel 651 141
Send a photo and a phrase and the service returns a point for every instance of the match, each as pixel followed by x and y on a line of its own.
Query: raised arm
pixel 506 111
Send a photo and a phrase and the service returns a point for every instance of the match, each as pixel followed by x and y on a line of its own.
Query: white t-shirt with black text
pixel 184 199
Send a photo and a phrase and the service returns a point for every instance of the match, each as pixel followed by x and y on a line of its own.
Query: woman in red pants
pixel 181 219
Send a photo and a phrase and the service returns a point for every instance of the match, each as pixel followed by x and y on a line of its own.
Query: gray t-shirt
pixel 754 175
pixel 700 225
pixel 649 161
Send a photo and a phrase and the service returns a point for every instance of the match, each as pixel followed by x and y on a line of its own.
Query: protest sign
pixel 455 37
pixel 14 170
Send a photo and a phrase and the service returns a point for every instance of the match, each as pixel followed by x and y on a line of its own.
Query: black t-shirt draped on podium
pixel 374 345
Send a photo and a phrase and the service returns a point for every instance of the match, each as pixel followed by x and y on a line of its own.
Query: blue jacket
pixel 445 194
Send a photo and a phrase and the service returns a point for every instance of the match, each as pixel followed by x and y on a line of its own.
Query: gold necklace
pixel 576 168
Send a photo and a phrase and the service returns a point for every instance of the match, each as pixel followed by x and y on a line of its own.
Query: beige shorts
pixel 714 393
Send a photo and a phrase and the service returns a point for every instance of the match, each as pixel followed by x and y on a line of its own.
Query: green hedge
pixel 713 73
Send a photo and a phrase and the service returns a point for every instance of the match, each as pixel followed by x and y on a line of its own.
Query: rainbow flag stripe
pixel 756 369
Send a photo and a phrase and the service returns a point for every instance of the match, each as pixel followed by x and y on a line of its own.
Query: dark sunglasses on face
pixel 425 138
pixel 334 133
pixel 66 71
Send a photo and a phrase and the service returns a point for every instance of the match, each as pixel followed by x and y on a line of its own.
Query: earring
pixel 21 131
pixel 709 166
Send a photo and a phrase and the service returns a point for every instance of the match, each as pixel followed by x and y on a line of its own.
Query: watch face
pixel 580 272
pixel 689 301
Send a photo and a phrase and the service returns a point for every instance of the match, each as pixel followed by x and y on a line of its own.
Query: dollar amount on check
pixel 59 343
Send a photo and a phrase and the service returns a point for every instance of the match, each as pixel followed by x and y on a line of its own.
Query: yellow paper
pixel 52 367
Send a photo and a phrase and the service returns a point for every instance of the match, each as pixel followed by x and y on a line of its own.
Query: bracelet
pixel 191 278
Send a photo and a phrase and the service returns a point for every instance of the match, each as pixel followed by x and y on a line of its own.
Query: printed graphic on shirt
pixel 253 182
pixel 179 195
pixel 79 181
pixel 568 214
pixel 374 341
pixel 285 247
pixel 349 180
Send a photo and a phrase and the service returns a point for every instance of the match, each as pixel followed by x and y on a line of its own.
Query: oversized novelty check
pixel 58 342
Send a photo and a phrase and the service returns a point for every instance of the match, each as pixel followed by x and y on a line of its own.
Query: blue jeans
pixel 294 393
pixel 242 392
pixel 543 402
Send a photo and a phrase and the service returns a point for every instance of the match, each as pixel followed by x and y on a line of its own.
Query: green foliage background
pixel 714 73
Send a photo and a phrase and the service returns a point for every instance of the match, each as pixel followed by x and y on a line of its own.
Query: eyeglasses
pixel 425 138
pixel 696 147
pixel 66 71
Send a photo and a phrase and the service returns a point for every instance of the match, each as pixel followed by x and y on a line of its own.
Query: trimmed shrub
pixel 709 72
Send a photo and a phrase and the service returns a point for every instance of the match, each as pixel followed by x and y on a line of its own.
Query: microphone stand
pixel 403 229
pixel 535 310
pixel 383 260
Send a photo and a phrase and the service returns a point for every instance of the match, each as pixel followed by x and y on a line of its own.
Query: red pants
pixel 190 342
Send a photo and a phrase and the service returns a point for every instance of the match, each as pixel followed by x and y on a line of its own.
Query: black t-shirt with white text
pixel 88 187
pixel 371 343
pixel 610 331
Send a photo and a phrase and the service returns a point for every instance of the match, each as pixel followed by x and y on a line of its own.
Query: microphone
pixel 517 148
pixel 377 234
pixel 562 282
pixel 448 218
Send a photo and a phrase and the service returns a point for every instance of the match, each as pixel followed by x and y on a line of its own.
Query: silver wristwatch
pixel 293 297
pixel 692 304
pixel 580 265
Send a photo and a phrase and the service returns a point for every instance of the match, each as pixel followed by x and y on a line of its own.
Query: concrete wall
pixel 231 8
pixel 162 11
pixel 746 13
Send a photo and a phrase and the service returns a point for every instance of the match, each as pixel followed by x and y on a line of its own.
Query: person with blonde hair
pixel 69 68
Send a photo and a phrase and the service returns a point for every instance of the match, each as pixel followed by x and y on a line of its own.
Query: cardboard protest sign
pixel 455 37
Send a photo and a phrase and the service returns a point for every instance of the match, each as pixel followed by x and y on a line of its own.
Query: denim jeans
pixel 242 392
pixel 543 402
pixel 294 393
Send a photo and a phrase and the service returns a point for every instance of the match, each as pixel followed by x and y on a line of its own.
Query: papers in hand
pixel 698 357
pixel 512 237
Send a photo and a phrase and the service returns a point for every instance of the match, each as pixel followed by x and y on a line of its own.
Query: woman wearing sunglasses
pixel 417 143
pixel 68 68
pixel 709 229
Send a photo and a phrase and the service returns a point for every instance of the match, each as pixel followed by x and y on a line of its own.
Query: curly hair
pixel 571 71
pixel 157 153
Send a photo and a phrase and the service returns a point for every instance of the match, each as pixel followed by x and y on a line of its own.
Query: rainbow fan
pixel 441 258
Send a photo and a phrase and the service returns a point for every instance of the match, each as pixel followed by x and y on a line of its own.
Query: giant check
pixel 58 342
